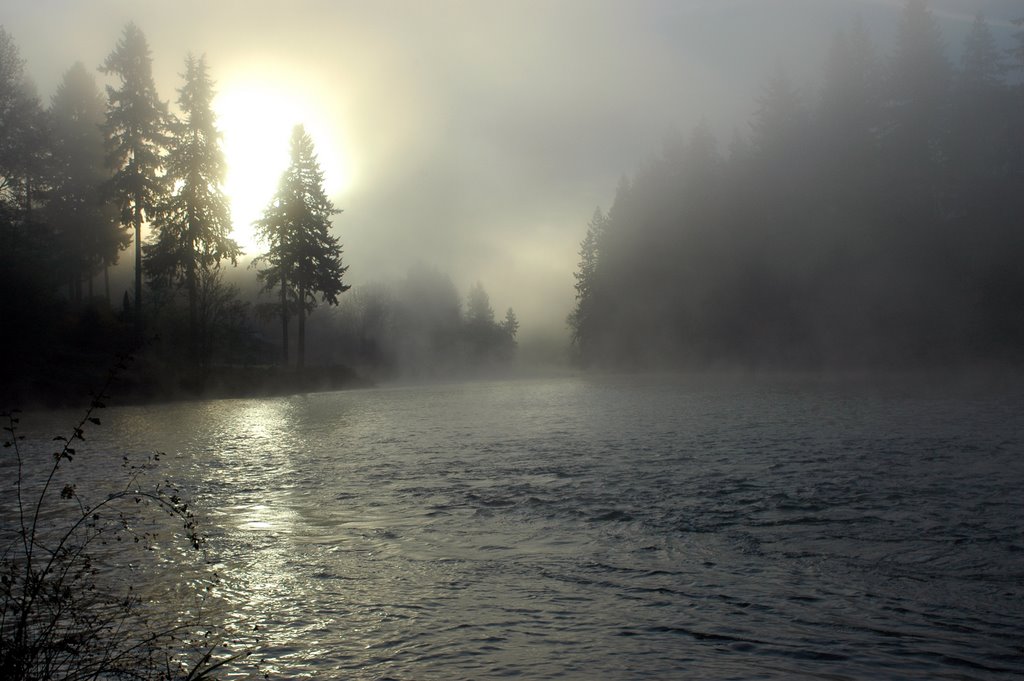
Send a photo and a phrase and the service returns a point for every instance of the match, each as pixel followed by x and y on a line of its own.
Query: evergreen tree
pixel 26 249
pixel 302 258
pixel 12 108
pixel 478 307
pixel 194 222
pixel 487 339
pixel 583 316
pixel 136 132
pixel 1016 106
pixel 24 138
pixel 1017 51
pixel 982 65
pixel 511 324
pixel 86 226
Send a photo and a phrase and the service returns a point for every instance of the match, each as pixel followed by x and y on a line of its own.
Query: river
pixel 612 527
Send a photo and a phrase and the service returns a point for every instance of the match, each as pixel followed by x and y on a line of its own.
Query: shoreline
pixel 144 382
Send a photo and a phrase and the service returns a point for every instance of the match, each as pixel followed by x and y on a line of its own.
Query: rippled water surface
pixel 613 527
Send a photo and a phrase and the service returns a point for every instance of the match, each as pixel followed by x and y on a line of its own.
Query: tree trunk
pixel 205 319
pixel 300 354
pixel 106 282
pixel 284 321
pixel 138 266
pixel 193 321
pixel 28 201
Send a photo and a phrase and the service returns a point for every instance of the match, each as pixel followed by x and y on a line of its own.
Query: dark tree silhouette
pixel 194 222
pixel 27 263
pixel 510 325
pixel 24 137
pixel 303 258
pixel 489 342
pixel 15 102
pixel 478 307
pixel 1017 51
pixel 136 132
pixel 581 319
pixel 982 62
pixel 86 227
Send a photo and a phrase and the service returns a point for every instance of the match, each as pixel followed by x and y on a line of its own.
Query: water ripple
pixel 614 528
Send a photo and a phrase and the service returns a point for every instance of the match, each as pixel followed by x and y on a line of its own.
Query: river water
pixel 611 527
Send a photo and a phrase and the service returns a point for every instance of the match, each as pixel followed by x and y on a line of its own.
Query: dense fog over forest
pixel 875 225
pixel 788 184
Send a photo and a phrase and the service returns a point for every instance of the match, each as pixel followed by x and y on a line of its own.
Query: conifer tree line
pixel 101 174
pixel 875 221
pixel 82 179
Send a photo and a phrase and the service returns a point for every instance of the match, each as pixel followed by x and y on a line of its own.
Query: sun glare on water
pixel 256 121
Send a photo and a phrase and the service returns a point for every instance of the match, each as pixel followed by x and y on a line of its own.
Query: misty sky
pixel 474 136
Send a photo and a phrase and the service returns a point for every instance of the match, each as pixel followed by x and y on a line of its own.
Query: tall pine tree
pixel 26 246
pixel 136 132
pixel 24 139
pixel 194 223
pixel 89 237
pixel 302 258
pixel 582 319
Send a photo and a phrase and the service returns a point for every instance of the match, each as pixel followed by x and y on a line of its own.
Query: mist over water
pixel 612 527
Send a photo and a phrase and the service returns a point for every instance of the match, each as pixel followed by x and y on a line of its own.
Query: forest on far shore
pixel 875 223
pixel 98 177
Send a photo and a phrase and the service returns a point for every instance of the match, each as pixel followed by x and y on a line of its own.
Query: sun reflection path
pixel 256 493
pixel 293 531
pixel 257 445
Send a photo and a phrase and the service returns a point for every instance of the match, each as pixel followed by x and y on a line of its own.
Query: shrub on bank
pixel 70 605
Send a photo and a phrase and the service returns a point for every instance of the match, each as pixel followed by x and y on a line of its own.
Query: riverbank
pixel 73 381
pixel 240 381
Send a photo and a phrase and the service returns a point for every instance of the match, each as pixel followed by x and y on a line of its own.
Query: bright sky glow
pixel 256 119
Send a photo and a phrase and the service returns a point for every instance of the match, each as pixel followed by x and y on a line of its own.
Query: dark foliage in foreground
pixel 69 608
